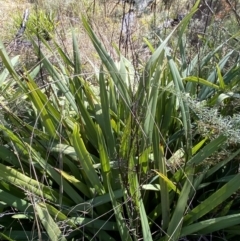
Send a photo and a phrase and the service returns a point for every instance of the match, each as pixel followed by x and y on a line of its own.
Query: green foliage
pixel 127 163
pixel 41 23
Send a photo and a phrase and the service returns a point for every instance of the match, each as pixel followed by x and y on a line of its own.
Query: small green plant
pixel 40 23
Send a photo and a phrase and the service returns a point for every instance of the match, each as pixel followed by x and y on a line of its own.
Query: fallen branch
pixel 23 24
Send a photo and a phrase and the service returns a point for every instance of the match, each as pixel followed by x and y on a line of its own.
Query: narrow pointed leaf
pixel 49 224
pixel 211 225
pixel 175 225
pixel 86 160
pixel 214 200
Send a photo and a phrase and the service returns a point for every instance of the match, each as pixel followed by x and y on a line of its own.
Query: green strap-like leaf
pixel 41 107
pixel 207 150
pixel 51 227
pixel 86 160
pixel 58 79
pixel 105 116
pixel 117 207
pixel 201 81
pixel 175 225
pixel 214 200
pixel 110 65
pixel 160 164
pixel 211 225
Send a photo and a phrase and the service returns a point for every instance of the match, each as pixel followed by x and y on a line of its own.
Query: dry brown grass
pixel 105 19
pixel 8 10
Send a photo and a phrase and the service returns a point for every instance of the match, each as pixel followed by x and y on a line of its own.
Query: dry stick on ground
pixel 17 41
pixel 23 24
pixel 209 7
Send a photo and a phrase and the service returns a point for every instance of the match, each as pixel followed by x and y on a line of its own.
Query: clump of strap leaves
pixel 122 159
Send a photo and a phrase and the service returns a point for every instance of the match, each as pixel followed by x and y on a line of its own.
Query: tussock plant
pixel 135 153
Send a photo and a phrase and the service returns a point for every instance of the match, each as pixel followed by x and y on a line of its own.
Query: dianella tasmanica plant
pixel 118 160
